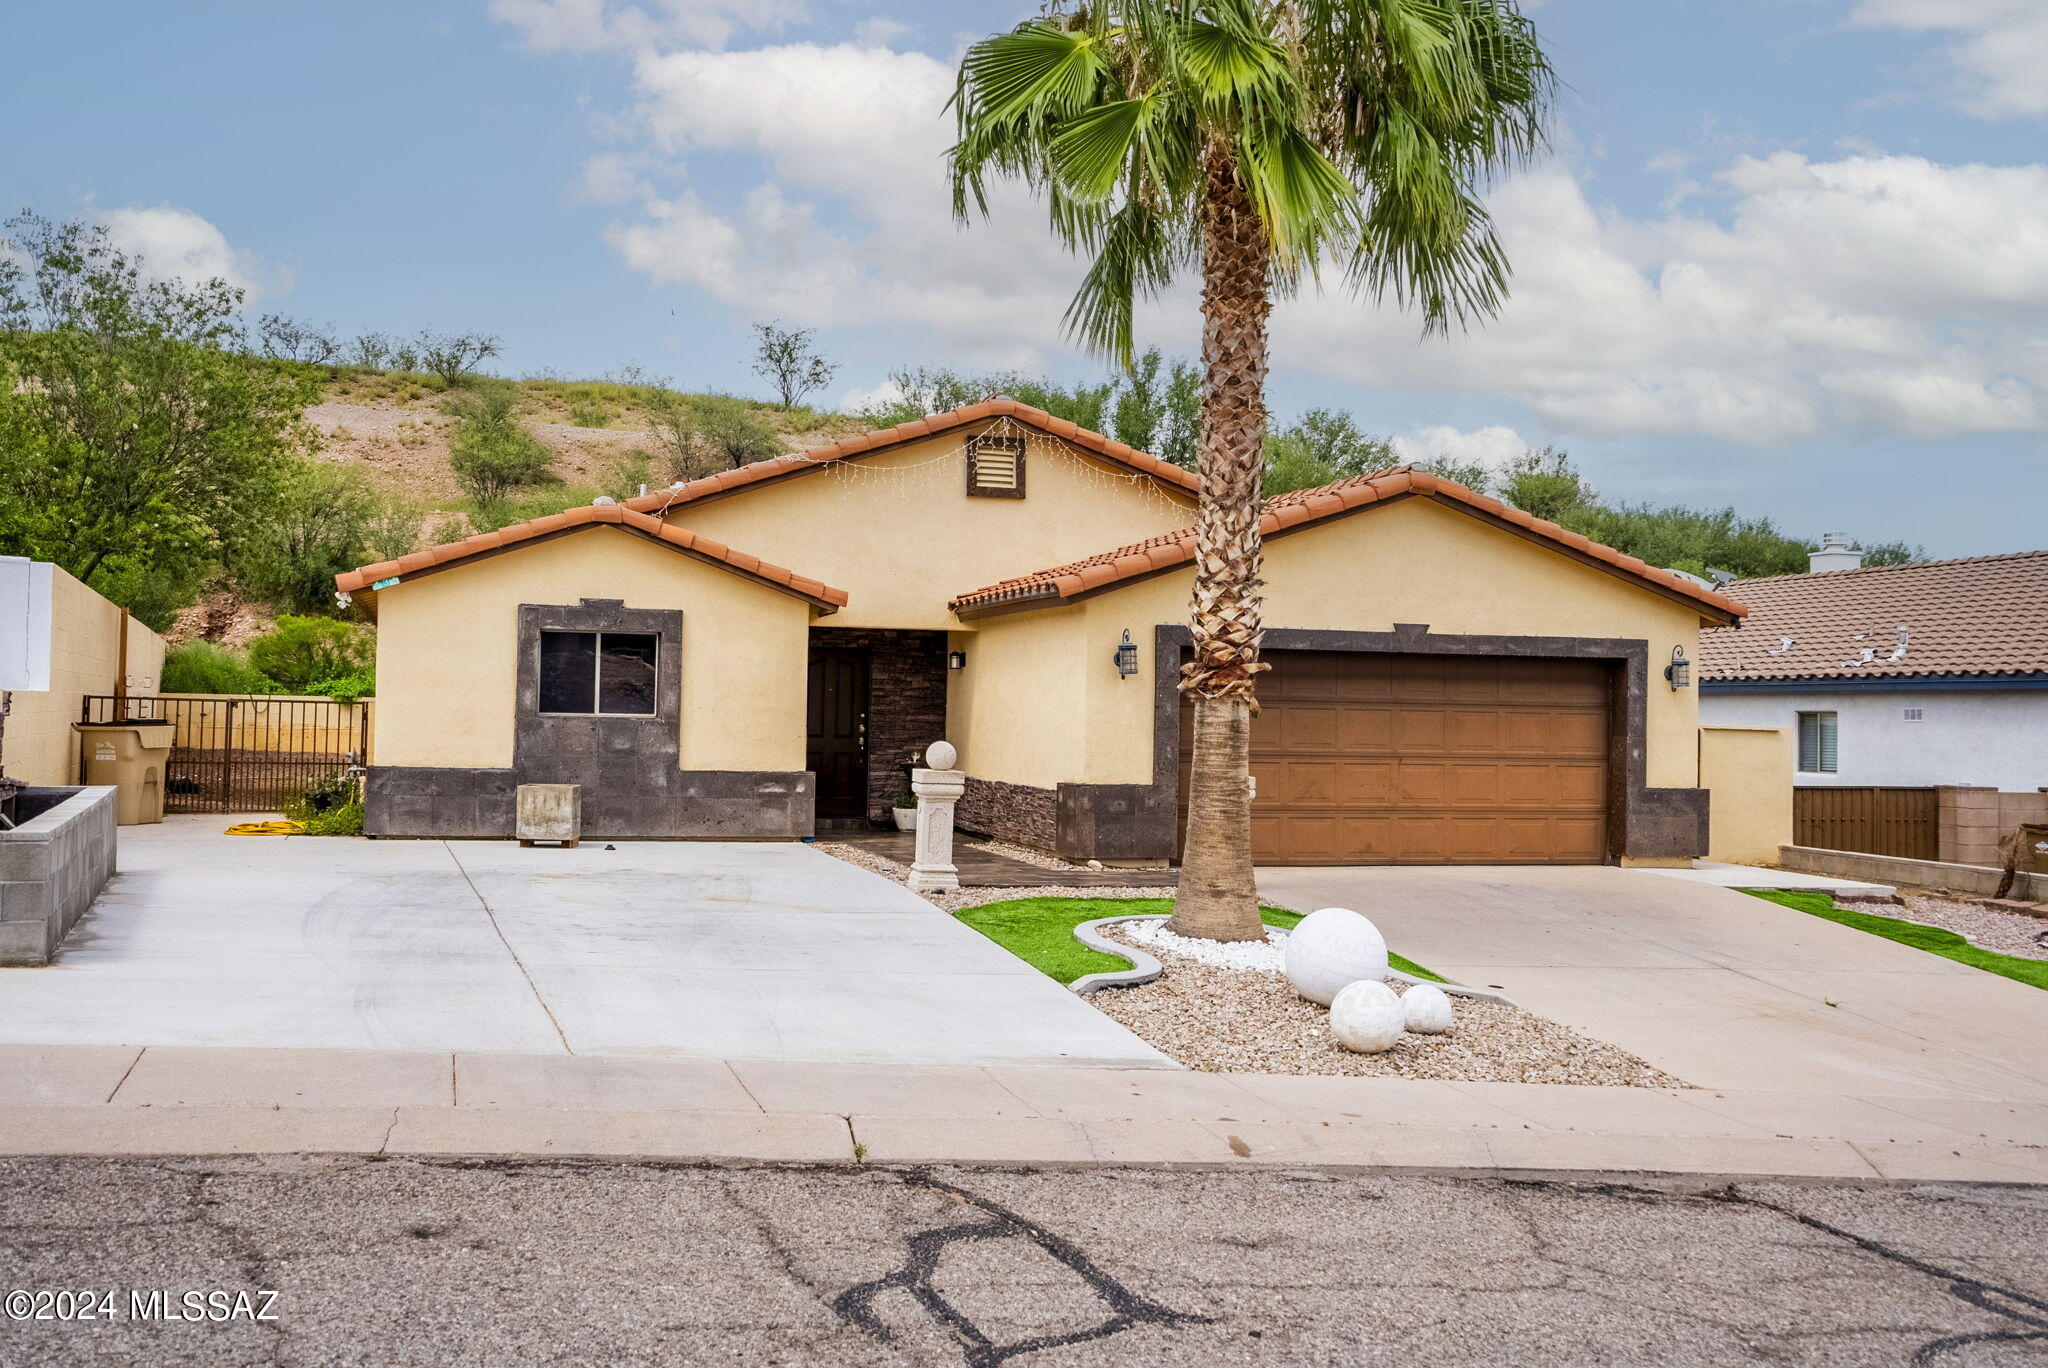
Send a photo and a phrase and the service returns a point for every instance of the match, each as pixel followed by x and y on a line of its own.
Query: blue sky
pixel 1790 254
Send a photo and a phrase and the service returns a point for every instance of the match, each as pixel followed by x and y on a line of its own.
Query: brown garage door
pixel 1390 759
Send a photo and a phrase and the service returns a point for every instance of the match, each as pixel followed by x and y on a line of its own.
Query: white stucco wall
pixel 1965 737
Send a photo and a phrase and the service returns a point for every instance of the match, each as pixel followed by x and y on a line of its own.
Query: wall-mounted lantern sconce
pixel 956 660
pixel 1126 657
pixel 1679 671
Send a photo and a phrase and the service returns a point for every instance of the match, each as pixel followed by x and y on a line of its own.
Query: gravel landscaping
pixel 1252 1021
pixel 2009 933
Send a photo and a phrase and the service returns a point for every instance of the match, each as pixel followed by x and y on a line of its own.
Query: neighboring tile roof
pixel 1303 507
pixel 678 538
pixel 1983 615
pixel 873 443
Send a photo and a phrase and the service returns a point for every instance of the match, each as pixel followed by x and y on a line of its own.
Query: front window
pixel 597 672
pixel 1817 743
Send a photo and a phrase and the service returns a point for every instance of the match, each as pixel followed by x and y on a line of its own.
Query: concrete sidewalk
pixel 118 1100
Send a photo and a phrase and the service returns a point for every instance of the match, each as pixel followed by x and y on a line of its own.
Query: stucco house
pixel 759 653
pixel 1894 676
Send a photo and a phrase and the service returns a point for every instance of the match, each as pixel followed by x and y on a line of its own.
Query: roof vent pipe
pixel 1835 554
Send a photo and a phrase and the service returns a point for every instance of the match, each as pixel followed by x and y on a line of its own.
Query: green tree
pixel 789 361
pixel 1894 553
pixel 491 452
pixel 299 652
pixel 1251 141
pixel 703 434
pixel 320 520
pixel 135 428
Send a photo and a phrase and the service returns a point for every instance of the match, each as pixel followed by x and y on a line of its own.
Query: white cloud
pixel 1998 47
pixel 1491 446
pixel 179 244
pixel 1783 297
pixel 1864 293
pixel 598 25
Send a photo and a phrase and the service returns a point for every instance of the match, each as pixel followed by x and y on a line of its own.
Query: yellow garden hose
pixel 280 828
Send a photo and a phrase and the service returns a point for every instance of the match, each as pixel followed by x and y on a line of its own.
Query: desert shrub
pixel 491 452
pixel 348 688
pixel 300 650
pixel 706 433
pixel 330 806
pixel 452 357
pixel 322 519
pixel 589 413
pixel 202 667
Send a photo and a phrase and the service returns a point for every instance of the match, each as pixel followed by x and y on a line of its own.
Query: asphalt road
pixel 401 1263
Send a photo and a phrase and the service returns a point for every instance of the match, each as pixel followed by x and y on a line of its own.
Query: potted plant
pixel 905 808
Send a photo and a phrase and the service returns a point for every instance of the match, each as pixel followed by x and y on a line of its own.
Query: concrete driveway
pixel 726 950
pixel 1719 988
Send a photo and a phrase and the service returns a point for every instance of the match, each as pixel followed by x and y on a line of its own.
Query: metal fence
pixel 1905 822
pixel 244 754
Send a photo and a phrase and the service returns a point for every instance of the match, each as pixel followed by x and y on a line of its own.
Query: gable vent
pixel 995 467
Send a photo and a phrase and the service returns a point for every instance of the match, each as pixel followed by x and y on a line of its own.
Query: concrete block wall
pixel 51 868
pixel 1974 819
pixel 1891 869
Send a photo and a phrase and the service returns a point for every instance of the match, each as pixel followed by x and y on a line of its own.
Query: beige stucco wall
pixel 1015 712
pixel 899 534
pixel 85 652
pixel 447 652
pixel 1748 772
pixel 1413 561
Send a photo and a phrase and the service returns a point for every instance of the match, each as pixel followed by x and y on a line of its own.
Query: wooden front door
pixel 1390 759
pixel 835 748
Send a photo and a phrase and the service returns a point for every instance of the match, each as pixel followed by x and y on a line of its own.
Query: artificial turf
pixel 1040 931
pixel 1932 939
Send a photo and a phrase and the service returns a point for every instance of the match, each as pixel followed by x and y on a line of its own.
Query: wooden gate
pixel 244 753
pixel 1871 821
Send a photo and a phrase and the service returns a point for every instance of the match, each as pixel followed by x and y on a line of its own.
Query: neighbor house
pixel 1903 676
pixel 762 653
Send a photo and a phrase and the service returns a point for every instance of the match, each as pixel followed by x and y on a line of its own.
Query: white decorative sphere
pixel 1427 1009
pixel 1330 949
pixel 1366 1017
pixel 941 755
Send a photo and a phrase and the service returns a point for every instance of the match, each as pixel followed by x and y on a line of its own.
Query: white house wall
pixel 1965 737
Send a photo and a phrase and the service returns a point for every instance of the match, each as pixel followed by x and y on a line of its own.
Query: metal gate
pixel 1904 822
pixel 244 754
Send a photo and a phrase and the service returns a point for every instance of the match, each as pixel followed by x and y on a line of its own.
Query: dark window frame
pixel 597 672
pixel 1016 446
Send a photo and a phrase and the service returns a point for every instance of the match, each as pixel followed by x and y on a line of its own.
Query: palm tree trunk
pixel 1217 898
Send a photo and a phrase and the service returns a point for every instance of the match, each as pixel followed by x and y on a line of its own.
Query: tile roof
pixel 1304 507
pixel 1983 615
pixel 677 538
pixel 873 443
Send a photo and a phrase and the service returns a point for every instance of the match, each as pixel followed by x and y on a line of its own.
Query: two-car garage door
pixel 1391 759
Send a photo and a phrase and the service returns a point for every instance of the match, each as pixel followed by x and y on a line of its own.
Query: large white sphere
pixel 1366 1017
pixel 941 755
pixel 1427 1009
pixel 1332 948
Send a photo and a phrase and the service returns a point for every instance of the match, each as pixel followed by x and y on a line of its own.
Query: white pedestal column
pixel 937 790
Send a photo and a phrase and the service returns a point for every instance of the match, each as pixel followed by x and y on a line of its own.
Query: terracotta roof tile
pixel 1303 506
pixel 359 580
pixel 1981 615
pixel 868 443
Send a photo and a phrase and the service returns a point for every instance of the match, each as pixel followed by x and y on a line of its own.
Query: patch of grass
pixel 1040 931
pixel 1933 939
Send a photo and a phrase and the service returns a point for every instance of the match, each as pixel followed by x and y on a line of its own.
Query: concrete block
pixel 549 812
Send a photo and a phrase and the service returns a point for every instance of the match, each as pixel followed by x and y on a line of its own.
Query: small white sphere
pixel 1331 948
pixel 1366 1017
pixel 941 755
pixel 1427 1009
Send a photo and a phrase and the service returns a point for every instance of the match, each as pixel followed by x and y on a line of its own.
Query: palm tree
pixel 1256 141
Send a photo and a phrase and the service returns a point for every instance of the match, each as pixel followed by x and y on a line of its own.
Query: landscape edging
pixel 1144 968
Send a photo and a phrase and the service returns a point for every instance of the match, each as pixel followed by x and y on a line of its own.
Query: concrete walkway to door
pixel 1719 988
pixel 750 950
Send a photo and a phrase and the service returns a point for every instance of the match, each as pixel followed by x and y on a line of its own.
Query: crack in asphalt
pixel 926 1247
pixel 2005 1302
